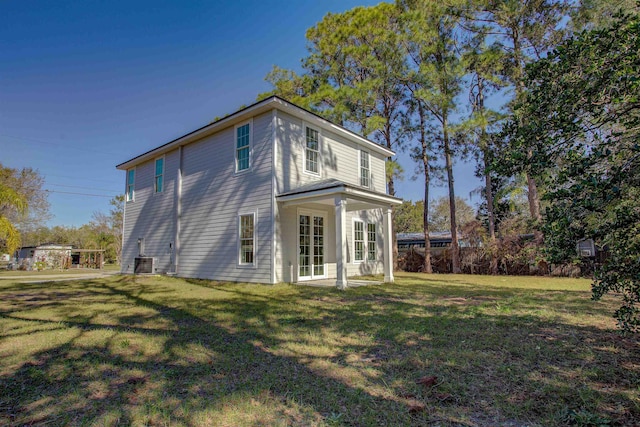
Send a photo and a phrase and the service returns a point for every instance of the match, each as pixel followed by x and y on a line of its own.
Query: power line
pixel 76 177
pixel 85 188
pixel 79 194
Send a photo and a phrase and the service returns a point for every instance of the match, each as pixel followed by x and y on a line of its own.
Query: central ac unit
pixel 143 265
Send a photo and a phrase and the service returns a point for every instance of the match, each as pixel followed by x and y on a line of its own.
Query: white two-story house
pixel 272 193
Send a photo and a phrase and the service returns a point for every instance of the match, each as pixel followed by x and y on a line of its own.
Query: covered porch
pixel 318 225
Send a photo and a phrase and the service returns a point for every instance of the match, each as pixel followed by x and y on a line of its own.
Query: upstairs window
pixel 371 242
pixel 243 147
pixel 365 172
pixel 159 175
pixel 131 176
pixel 246 223
pixel 312 151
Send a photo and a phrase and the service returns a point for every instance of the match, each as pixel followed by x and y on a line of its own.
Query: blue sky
pixel 86 85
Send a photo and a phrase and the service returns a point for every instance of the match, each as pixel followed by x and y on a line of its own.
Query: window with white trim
pixel 371 242
pixel 312 150
pixel 365 241
pixel 358 241
pixel 158 184
pixel 247 239
pixel 365 171
pixel 243 147
pixel 131 176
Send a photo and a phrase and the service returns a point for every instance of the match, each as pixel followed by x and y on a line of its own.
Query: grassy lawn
pixel 428 350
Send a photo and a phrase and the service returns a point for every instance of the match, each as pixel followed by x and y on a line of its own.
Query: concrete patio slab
pixel 331 283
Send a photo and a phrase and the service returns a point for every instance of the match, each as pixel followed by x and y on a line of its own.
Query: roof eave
pixel 252 110
pixel 200 133
pixel 344 189
pixel 293 109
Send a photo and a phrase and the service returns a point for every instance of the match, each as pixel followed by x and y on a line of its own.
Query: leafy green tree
pixel 509 201
pixel 23 204
pixel 9 235
pixel 595 14
pixel 106 229
pixel 525 31
pixel 29 184
pixel 439 213
pixel 408 217
pixel 291 86
pixel 583 110
pixel 355 57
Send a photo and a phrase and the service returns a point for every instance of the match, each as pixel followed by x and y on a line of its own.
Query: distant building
pixel 50 253
pixel 439 240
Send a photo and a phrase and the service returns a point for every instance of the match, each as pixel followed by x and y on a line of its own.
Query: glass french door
pixel 311 246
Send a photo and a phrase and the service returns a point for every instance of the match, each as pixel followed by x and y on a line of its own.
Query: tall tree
pixel 525 30
pixel 484 64
pixel 584 111
pixel 422 153
pixel 352 77
pixel 352 74
pixel 509 200
pixel 435 79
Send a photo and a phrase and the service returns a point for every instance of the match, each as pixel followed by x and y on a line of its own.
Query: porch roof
pixel 325 192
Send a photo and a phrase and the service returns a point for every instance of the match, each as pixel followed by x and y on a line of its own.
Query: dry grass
pixel 509 351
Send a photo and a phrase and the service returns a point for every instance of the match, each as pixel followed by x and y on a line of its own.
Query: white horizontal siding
pixel 378 172
pixel 150 216
pixel 359 268
pixel 339 158
pixel 213 196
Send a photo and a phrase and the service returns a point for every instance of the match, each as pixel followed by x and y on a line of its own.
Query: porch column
pixel 388 250
pixel 341 242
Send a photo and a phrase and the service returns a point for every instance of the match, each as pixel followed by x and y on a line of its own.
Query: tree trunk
pixel 534 199
pixel 484 145
pixel 391 189
pixel 455 249
pixel 493 266
pixel 426 268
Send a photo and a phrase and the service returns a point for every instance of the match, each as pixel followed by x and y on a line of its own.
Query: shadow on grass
pixel 78 382
pixel 199 353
